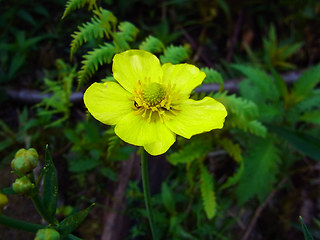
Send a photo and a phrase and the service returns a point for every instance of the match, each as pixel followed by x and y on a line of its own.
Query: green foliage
pixel 212 76
pixel 174 54
pixel 207 193
pixel 260 170
pixel 58 102
pixel 72 5
pixel 101 25
pixel 93 60
pixel 152 44
pixel 274 53
pixel 196 149
pixel 232 149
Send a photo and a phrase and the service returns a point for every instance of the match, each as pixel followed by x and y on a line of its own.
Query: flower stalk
pixel 146 190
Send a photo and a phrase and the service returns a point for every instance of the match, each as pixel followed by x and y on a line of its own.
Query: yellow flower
pixel 150 103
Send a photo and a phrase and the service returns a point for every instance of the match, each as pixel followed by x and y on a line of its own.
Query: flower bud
pixel 22 185
pixel 47 234
pixel 3 201
pixel 25 160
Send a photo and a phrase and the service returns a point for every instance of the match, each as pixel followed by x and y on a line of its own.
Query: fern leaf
pixel 93 60
pixel 265 87
pixel 306 83
pixel 72 5
pixel 174 55
pixel 194 150
pixel 238 106
pixel 99 27
pixel 212 76
pixel 231 148
pixel 152 44
pixel 128 33
pixel 207 193
pixel 260 169
pixel 255 127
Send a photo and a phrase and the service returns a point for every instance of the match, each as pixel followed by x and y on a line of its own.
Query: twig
pixel 260 209
pixel 34 96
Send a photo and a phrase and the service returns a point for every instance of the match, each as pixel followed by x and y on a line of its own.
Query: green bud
pixel 3 201
pixel 25 160
pixel 47 234
pixel 22 185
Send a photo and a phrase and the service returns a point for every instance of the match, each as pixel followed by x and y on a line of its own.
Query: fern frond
pixel 231 148
pixel 72 5
pixel 174 54
pixel 152 44
pixel 99 27
pixel 194 150
pixel 260 169
pixel 212 76
pixel 207 193
pixel 127 33
pixel 255 127
pixel 265 88
pixel 238 106
pixel 93 60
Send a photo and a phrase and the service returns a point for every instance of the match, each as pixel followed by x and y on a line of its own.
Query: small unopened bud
pixel 22 185
pixel 25 160
pixel 47 234
pixel 3 201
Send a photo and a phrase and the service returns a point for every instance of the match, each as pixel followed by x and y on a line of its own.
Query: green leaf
pixel 311 117
pixel 76 4
pixel 307 144
pixel 174 55
pixel 167 198
pixel 231 148
pixel 306 233
pixel 232 180
pixel 306 83
pixel 263 85
pixel 207 193
pixel 152 44
pixel 70 223
pixel 260 169
pixel 8 191
pixel 194 150
pixel 212 76
pixel 50 188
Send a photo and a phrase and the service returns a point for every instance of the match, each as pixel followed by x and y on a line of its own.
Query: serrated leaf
pixel 174 55
pixel 194 150
pixel 167 198
pixel 152 44
pixel 49 195
pixel 306 143
pixel 70 223
pixel 234 178
pixel 306 83
pixel 207 193
pixel 264 86
pixel 260 169
pixel 212 76
pixel 311 117
pixel 231 148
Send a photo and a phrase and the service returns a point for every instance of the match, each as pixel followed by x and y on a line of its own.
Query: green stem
pixel 19 224
pixel 146 190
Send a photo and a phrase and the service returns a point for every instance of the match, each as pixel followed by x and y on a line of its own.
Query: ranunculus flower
pixel 149 103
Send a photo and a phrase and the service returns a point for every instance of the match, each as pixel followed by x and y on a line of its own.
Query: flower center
pixel 155 101
pixel 154 93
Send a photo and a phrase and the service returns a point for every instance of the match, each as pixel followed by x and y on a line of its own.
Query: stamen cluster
pixel 154 101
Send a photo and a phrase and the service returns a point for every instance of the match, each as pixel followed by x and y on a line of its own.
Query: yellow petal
pixel 155 137
pixel 108 102
pixel 133 65
pixel 197 117
pixel 184 77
